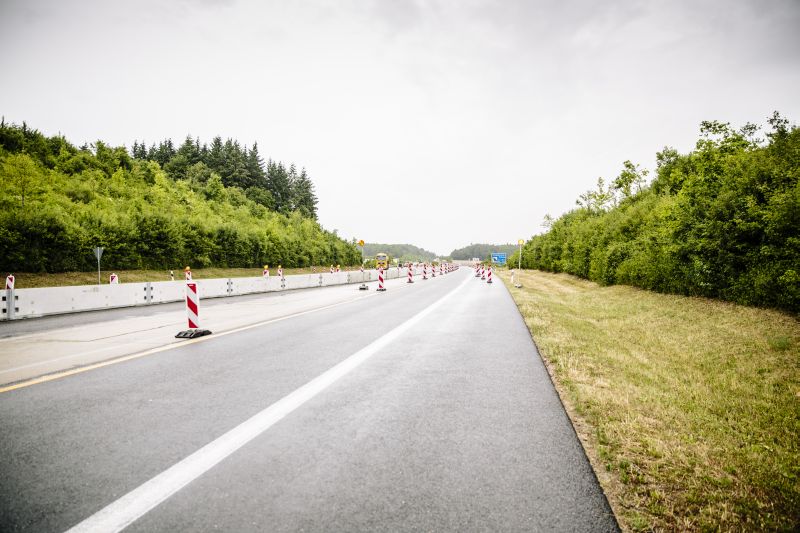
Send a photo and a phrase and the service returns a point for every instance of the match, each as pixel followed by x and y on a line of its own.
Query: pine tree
pixel 255 168
pixel 279 186
pixel 190 150
pixel 215 158
pixel 305 200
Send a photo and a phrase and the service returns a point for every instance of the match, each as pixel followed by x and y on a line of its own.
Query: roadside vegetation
pixel 689 407
pixel 217 205
pixel 722 221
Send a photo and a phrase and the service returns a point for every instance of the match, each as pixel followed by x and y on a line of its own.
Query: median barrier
pixel 31 303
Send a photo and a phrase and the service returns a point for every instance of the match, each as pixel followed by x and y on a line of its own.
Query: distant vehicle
pixel 382 260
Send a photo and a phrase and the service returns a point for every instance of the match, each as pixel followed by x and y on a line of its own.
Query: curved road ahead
pixel 425 407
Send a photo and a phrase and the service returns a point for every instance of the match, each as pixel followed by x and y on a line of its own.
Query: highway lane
pixel 34 347
pixel 453 425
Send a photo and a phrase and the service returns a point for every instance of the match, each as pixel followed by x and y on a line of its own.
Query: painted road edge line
pixel 94 366
pixel 121 513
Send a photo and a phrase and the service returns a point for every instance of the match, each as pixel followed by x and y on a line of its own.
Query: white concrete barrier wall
pixel 29 303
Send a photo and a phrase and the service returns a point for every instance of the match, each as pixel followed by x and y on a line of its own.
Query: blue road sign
pixel 499 258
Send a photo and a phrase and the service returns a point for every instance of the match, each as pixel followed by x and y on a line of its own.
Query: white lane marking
pixel 124 511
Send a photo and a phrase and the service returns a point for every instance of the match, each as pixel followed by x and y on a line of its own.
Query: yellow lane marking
pixel 94 366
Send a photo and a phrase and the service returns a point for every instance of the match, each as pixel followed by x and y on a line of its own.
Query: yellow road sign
pixel 361 243
pixel 520 242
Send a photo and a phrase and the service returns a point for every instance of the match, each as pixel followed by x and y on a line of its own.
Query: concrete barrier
pixel 31 303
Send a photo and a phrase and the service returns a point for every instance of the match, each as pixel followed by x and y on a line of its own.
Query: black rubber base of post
pixel 381 290
pixel 192 333
pixel 363 287
pixel 410 281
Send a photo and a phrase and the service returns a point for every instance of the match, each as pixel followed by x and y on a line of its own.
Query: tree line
pixel 482 251
pixel 721 221
pixel 402 252
pixel 200 208
pixel 273 185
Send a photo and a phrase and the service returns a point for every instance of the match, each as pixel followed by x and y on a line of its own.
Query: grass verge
pixel 27 280
pixel 689 408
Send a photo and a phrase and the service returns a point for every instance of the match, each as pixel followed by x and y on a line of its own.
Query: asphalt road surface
pixel 424 408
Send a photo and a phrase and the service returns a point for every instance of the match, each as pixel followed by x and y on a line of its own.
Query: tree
pixel 21 173
pixel 304 198
pixel 215 157
pixel 255 168
pixel 596 201
pixel 630 176
pixel 279 186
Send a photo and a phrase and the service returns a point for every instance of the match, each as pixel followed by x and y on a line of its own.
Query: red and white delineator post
pixel 362 268
pixel 265 272
pixel 192 306
pixel 381 288
pixel 441 269
pixel 424 271
pixel 10 282
pixel 483 272
pixel 280 272
pixel 477 270
pixel 410 274
pixel 113 279
pixel 331 269
pixel 433 270
pixel 192 314
pixel 490 274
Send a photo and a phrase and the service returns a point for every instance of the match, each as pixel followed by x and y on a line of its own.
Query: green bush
pixel 722 221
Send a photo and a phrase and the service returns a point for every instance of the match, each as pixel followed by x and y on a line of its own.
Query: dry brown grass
pixel 688 407
pixel 25 280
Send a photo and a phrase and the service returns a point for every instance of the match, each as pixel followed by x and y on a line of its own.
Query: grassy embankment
pixel 689 408
pixel 28 280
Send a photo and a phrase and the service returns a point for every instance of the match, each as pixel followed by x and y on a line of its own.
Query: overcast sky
pixel 435 123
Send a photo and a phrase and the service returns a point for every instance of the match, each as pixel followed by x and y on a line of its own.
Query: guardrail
pixel 31 303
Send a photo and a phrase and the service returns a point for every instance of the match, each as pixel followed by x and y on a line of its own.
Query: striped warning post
pixel 192 305
pixel 410 274
pixel 483 272
pixel 331 269
pixel 441 269
pixel 490 274
pixel 380 280
pixel 280 272
pixel 424 271
pixel 187 272
pixel 10 282
pixel 265 273
pixel 477 270
pixel 113 279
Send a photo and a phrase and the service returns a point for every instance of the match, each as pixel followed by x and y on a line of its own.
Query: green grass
pixel 689 408
pixel 25 280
